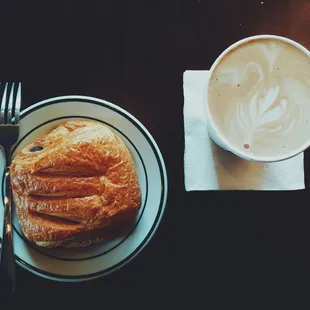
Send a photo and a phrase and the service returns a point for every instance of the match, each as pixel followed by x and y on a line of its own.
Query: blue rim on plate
pixel 163 190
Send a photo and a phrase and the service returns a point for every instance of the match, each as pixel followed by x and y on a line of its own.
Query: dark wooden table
pixel 134 53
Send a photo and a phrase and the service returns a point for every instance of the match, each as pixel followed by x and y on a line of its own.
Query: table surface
pixel 134 53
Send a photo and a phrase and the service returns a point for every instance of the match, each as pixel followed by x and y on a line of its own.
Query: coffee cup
pixel 257 99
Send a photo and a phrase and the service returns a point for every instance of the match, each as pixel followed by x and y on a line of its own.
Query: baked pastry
pixel 75 186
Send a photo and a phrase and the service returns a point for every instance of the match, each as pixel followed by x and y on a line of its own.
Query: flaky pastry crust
pixel 75 186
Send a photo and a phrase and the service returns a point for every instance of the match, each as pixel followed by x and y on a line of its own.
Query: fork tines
pixel 10 105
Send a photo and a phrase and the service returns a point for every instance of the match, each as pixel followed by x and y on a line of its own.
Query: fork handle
pixel 7 262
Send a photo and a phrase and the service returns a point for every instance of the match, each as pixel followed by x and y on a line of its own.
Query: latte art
pixel 259 97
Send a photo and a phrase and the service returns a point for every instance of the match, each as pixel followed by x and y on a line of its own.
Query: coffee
pixel 259 98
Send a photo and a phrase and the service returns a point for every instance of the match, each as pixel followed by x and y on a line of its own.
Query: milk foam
pixel 259 97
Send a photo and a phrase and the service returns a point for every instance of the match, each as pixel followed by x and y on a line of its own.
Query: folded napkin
pixel 208 167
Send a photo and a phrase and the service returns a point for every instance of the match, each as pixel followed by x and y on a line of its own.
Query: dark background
pixel 134 53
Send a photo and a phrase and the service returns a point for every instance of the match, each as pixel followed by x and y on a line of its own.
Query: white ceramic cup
pixel 214 132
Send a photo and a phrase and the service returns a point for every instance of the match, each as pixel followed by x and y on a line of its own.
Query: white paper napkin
pixel 208 167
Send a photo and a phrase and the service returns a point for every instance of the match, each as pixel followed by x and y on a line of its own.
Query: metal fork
pixel 9 133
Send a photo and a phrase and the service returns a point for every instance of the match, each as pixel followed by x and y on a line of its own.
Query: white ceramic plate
pixel 96 260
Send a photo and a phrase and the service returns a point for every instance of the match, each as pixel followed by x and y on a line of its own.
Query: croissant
pixel 75 186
